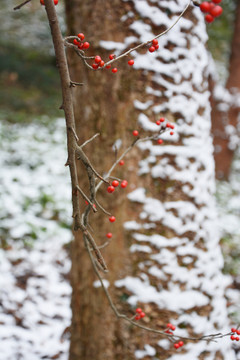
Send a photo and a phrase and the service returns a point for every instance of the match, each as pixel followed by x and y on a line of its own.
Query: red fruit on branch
pixel 86 45
pixel 102 63
pixel 216 1
pixel 75 42
pixel 111 189
pixel 121 162
pixel 176 346
pixel 158 122
pixel 124 184
pixel 135 133
pixel 138 310
pixel 108 66
pixel 205 7
pixel 112 218
pixel 209 18
pixel 137 317
pixel 81 36
pixel 160 141
pixel 142 314
pixel 97 59
pixel 151 49
pixel 115 183
pixel 233 330
pixel 156 47
pixel 109 235
pixel 131 62
pixel 216 11
pixel 114 70
pixel 94 66
pixel 180 343
pixel 162 119
pixel 55 2
pixel 112 56
pixel 155 42
pixel 171 132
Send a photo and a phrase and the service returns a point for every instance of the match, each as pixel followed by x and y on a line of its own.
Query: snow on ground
pixel 35 217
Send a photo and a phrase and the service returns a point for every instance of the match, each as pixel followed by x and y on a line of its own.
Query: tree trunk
pixel 166 258
pixel 226 108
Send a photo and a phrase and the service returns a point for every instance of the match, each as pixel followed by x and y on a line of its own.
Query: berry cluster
pixel 115 183
pixel 235 331
pixel 168 331
pixel 211 9
pixel 98 62
pixel 42 2
pixel 139 314
pixel 154 46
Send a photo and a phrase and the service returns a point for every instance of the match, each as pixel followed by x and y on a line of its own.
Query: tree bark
pixel 225 118
pixel 161 258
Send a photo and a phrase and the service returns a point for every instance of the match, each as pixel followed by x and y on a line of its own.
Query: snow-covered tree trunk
pixel 173 266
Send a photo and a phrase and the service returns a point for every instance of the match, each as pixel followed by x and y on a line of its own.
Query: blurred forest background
pixel 31 123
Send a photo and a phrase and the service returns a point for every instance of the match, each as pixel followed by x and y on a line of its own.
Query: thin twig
pixel 89 140
pixel 86 198
pixel 21 5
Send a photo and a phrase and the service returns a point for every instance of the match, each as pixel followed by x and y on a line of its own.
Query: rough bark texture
pixel 171 236
pixel 222 116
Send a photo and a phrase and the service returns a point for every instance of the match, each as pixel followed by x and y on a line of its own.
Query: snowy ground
pixel 35 217
pixel 35 230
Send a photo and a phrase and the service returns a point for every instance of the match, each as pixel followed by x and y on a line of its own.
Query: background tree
pixel 225 105
pixel 174 265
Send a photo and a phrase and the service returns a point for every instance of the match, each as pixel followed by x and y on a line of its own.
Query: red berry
pixel 121 162
pixel 168 125
pixel 169 325
pixel 205 7
pixel 237 338
pixel 209 18
pixel 158 122
pixel 55 2
pixel 112 56
pixel 111 189
pixel 102 63
pixel 86 45
pixel 160 141
pixel 155 42
pixel 115 183
pixel 94 66
pixel 216 1
pixel 233 330
pixel 173 327
pixel 176 346
pixel 124 184
pixel 80 46
pixel 232 337
pixel 142 314
pixel 238 332
pixel 180 343
pixel 138 310
pixel 114 70
pixel 42 2
pixel 171 132
pixel 97 59
pixel 216 11
pixel 75 42
pixel 135 133
pixel 151 49
pixel 108 66
pixel 130 62
pixel 162 119
pixel 137 317
pixel 109 235
pixel 86 202
pixel 81 36
pixel 112 218
pixel 172 126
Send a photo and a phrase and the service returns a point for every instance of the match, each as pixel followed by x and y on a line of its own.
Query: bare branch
pixel 89 140
pixel 21 5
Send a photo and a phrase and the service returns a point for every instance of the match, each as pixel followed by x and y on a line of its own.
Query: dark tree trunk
pixel 228 115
